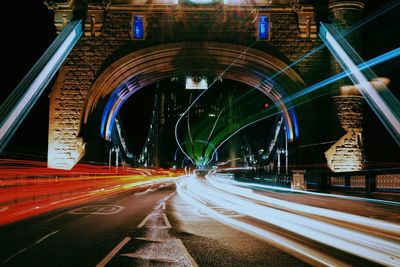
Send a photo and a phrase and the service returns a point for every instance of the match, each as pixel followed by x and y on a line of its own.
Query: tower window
pixel 138 27
pixel 263 28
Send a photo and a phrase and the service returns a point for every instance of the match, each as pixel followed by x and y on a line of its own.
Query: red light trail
pixel 28 188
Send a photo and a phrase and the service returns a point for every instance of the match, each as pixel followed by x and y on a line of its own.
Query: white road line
pixel 113 252
pixel 186 253
pixel 170 195
pixel 166 220
pixel 162 202
pixel 152 240
pixel 157 227
pixel 142 257
pixel 22 250
pixel 145 220
pixel 161 206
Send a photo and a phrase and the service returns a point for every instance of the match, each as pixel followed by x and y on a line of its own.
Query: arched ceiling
pixel 141 68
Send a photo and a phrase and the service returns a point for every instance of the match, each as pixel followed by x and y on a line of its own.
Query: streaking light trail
pixel 296 97
pixel 358 25
pixel 245 191
pixel 363 237
pixel 282 242
pixel 30 188
pixel 382 101
pixel 284 189
pixel 292 129
pixel 198 97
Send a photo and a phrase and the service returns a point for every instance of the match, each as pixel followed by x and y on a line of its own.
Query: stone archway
pixel 141 68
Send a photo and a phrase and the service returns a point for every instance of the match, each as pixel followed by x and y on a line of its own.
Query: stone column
pixel 343 15
pixel 347 153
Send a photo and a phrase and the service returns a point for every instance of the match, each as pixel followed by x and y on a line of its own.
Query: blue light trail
pixel 380 59
pixel 385 105
pixel 358 25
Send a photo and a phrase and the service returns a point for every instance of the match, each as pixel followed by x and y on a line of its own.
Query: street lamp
pixel 109 157
pixel 260 152
pixel 286 151
pixel 116 158
pixel 116 150
pixel 280 151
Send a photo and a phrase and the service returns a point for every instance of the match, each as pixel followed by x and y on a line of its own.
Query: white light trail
pixel 387 109
pixel 282 242
pixel 228 185
pixel 284 189
pixel 28 91
pixel 352 241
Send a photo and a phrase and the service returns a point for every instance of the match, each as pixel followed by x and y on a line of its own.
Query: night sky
pixel 31 31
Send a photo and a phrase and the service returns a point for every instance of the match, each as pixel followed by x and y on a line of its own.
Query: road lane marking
pixel 152 240
pixel 162 202
pixel 113 252
pixel 170 250
pixel 142 257
pixel 186 253
pixel 98 209
pixel 167 223
pixel 34 244
pixel 145 220
pixel 161 206
pixel 179 242
pixel 158 227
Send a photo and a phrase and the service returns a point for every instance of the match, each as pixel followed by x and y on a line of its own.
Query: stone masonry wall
pixel 93 54
pixel 69 94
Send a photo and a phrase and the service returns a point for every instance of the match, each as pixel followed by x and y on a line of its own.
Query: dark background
pixel 31 30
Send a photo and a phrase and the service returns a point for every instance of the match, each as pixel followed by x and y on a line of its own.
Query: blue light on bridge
pixel 138 27
pixel 263 28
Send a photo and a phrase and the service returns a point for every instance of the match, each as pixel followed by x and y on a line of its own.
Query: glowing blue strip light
pixel 138 27
pixel 263 28
pixel 105 130
pixel 295 125
pixel 385 105
pixel 15 108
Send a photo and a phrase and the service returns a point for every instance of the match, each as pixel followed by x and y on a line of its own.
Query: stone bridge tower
pixel 130 44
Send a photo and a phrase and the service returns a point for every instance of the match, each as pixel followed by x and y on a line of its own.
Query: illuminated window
pixel 138 27
pixel 263 28
pixel 199 83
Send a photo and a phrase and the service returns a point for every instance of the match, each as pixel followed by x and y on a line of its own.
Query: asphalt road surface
pixel 154 227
